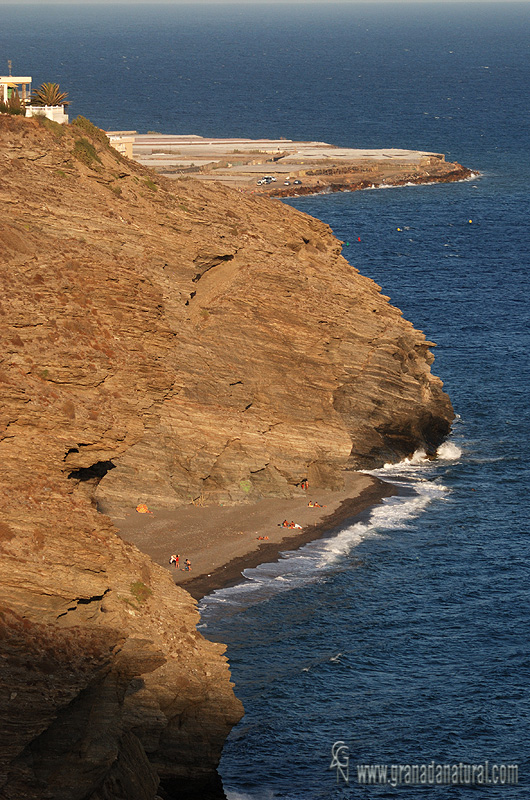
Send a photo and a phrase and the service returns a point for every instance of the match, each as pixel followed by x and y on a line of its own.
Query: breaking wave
pixel 418 486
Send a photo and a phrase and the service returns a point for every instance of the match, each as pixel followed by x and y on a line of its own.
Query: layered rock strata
pixel 165 343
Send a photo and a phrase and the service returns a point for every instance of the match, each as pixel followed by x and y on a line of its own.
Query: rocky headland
pixel 292 168
pixel 170 343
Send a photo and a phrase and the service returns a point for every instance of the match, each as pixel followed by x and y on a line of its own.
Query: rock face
pixel 162 342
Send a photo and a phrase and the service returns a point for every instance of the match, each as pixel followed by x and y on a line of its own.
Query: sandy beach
pixel 222 541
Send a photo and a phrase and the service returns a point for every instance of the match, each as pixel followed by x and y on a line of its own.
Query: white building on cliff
pixel 11 85
pixel 14 85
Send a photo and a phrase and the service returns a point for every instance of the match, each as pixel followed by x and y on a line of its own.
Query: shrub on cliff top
pixel 93 131
pixel 85 152
pixel 13 105
pixel 55 127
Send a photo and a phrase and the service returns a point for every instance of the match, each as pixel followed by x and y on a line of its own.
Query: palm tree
pixel 49 94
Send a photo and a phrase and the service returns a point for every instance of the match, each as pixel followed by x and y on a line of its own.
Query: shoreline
pixel 455 176
pixel 221 542
pixel 231 574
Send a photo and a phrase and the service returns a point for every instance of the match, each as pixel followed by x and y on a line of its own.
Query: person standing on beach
pixel 175 561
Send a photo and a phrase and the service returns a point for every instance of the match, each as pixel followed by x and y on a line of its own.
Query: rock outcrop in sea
pixel 163 342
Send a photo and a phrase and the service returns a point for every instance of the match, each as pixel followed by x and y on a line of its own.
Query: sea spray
pixel 448 451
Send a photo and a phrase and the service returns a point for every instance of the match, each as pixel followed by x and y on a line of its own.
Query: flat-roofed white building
pixel 13 84
pixel 122 141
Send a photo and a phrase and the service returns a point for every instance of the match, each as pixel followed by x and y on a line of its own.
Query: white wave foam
pixel 323 556
pixel 419 457
pixel 489 459
pixel 448 451
pixel 473 176
pixel 418 476
pixel 372 186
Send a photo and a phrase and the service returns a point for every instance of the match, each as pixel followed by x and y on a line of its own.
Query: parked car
pixel 298 183
pixel 286 183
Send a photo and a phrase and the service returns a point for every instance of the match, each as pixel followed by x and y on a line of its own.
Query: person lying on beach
pixel 285 524
pixel 142 509
pixel 262 537
pixel 294 525
pixel 314 505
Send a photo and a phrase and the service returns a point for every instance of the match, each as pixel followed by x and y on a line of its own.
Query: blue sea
pixel 404 636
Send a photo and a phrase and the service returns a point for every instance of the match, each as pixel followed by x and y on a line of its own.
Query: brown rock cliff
pixel 161 342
